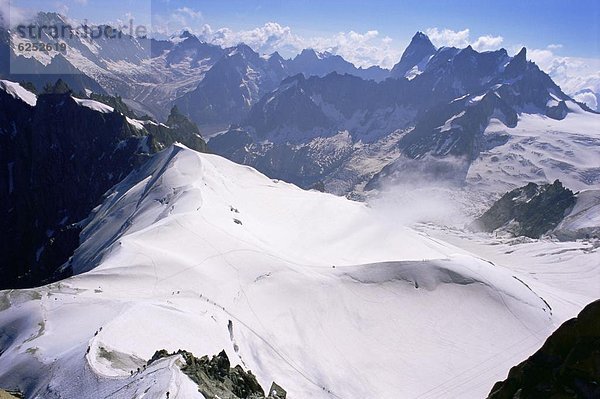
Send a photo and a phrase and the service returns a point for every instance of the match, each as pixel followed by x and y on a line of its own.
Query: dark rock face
pixel 58 158
pixel 276 136
pixel 530 211
pixel 293 110
pixel 216 379
pixel 566 366
pixel 178 129
pixel 191 48
pixel 241 77
pixel 505 87
pixel 300 164
pixel 231 87
pixel 299 105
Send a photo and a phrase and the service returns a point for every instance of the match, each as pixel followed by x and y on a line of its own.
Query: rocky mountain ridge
pixel 61 154
pixel 314 129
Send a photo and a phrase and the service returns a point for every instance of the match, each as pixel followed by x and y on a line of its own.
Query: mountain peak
pixel 244 50
pixel 50 18
pixel 420 41
pixel 420 36
pixel 518 63
pixel 275 55
pixel 522 54
pixel 467 52
pixel 418 51
pixel 184 35
pixel 275 58
pixel 308 53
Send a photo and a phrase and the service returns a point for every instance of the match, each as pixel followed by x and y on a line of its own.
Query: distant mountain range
pixel 357 135
pixel 482 119
pixel 318 119
pixel 152 74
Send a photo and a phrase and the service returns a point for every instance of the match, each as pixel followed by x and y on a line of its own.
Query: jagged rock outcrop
pixel 216 379
pixel 231 87
pixel 177 129
pixel 531 211
pixel 9 395
pixel 566 366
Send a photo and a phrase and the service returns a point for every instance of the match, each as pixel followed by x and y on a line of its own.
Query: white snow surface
pixel 325 296
pixel 584 219
pixel 107 109
pixel 418 69
pixel 541 149
pixel 18 92
pixel 137 124
pixel 447 126
pixel 95 105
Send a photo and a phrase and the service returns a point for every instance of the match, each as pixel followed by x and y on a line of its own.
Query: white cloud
pixel 542 57
pixel 487 42
pixel 448 37
pixel 11 15
pixel 588 98
pixel 264 39
pixel 572 74
pixel 189 12
pixel 362 49
pixel 183 18
pixel 451 38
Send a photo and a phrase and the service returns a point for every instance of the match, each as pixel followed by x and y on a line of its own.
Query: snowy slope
pixel 584 219
pixel 565 274
pixel 18 92
pixel 540 149
pixel 327 297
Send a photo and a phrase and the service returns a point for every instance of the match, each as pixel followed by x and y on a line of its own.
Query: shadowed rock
pixel 216 379
pixel 566 366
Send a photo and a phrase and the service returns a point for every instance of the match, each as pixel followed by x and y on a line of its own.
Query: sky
pixel 563 37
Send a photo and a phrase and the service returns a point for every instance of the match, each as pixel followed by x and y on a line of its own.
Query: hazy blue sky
pixel 570 28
